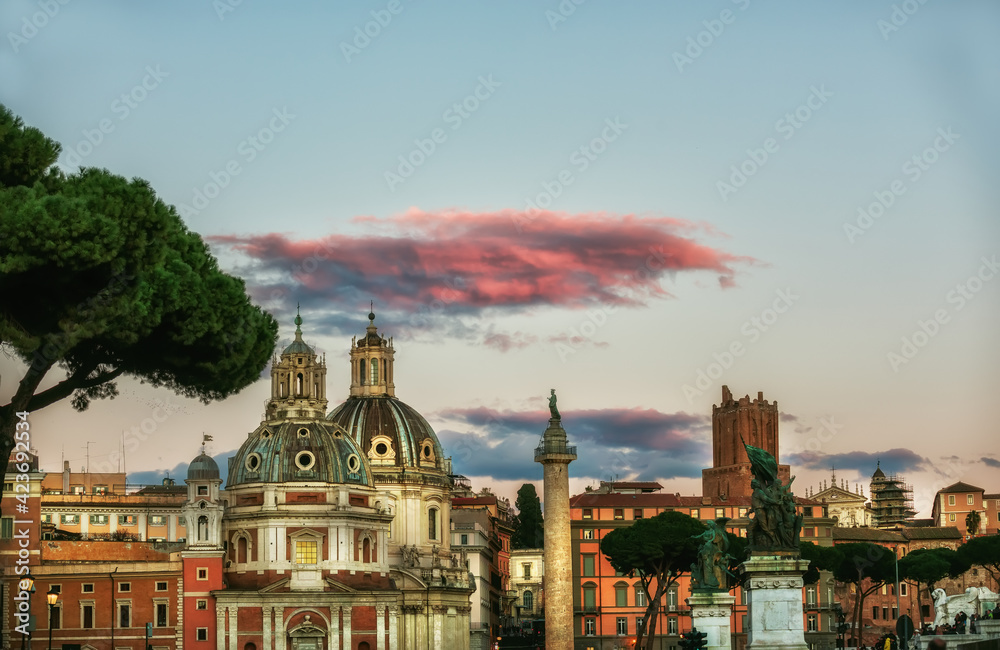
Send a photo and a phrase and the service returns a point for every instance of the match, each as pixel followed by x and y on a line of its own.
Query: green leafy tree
pixel 528 525
pixel 867 566
pixel 99 278
pixel 972 521
pixel 658 550
pixel 983 551
pixel 927 566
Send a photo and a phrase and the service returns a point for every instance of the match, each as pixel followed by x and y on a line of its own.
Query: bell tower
pixel 298 381
pixel 371 363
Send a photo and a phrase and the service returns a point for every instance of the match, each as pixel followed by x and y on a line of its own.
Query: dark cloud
pixel 179 472
pixel 991 462
pixel 428 271
pixel 640 443
pixel 892 461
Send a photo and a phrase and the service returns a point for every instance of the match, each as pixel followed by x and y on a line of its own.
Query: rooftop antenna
pixel 89 442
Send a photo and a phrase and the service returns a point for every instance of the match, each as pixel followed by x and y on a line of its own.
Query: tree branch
pixel 78 380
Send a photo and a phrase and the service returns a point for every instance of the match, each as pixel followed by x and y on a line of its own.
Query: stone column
pixel 347 626
pixel 393 627
pixel 335 628
pixel 220 627
pixel 268 613
pixel 380 627
pixel 555 456
pixel 774 602
pixel 233 624
pixel 711 612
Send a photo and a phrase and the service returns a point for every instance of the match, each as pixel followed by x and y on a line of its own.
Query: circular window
pixel 305 460
pixel 427 451
pixel 303 432
pixel 202 505
pixel 253 462
pixel 353 463
pixel 266 434
pixel 381 449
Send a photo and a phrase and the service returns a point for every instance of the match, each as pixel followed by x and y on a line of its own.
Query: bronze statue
pixel 775 524
pixel 713 560
pixel 553 411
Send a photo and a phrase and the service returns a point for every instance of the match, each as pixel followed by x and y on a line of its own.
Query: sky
pixel 633 204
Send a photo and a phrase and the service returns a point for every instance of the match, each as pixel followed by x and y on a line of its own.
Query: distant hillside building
pixel 892 500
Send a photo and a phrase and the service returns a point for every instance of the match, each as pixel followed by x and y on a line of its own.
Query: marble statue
pixel 971 602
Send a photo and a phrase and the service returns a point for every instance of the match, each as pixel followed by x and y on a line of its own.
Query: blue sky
pixel 834 246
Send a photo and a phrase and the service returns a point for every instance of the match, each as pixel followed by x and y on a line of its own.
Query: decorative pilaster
pixel 268 613
pixel 220 628
pixel 380 627
pixel 711 612
pixel 774 602
pixel 347 627
pixel 335 628
pixel 233 616
pixel 393 628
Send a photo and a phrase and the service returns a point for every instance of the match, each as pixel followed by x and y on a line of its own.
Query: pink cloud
pixel 472 261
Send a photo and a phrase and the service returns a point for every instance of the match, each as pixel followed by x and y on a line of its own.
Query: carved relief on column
pixel 280 631
pixel 220 628
pixel 393 628
pixel 380 627
pixel 233 623
pixel 347 626
pixel 334 627
pixel 268 613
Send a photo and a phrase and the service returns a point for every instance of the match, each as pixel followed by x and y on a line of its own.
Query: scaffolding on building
pixel 892 502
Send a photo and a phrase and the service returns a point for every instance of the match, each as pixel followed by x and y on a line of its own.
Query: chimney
pixel 65 477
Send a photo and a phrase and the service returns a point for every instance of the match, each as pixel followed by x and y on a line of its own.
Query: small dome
pixel 203 468
pixel 389 431
pixel 313 451
pixel 298 346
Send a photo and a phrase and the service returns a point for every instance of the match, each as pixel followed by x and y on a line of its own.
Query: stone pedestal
pixel 774 602
pixel 711 612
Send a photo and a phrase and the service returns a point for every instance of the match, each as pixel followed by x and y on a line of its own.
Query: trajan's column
pixel 555 456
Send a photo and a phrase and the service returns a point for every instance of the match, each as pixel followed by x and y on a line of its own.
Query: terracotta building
pixel 953 504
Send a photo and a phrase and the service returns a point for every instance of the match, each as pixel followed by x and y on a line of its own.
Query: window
pixel 589 596
pixel 181 521
pixel 201 634
pixel 621 595
pixel 100 489
pixel 76 489
pixel 87 588
pixel 432 523
pixel 811 596
pixel 811 625
pixel 72 520
pixel 903 589
pixel 528 601
pixel 306 551
pixel 951 499
pixel 621 625
pixel 374 369
pixel 720 512
pixel 201 603
pixel 87 616
pixel 743 512
pixel 203 490
pixel 161 615
pixel 7 528
pixel 874 612
pixel 951 517
pixel 672 599
pixel 46 519
pixel 203 574
pixel 158 520
pixel 126 520
pixel 588 533
pixel 588 565
pixel 161 586
pixel 619 513
pixel 968 499
pixel 124 587
pixel 640 595
pixel 590 626
pixel 638 624
pixel 588 513
pixel 98 520
pixel 526 570
pixel 672 625
pixel 695 513
pixel 124 615
pixel 885 612
pixel 637 513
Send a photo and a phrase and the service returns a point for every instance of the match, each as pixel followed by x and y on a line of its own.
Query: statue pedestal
pixel 774 602
pixel 711 612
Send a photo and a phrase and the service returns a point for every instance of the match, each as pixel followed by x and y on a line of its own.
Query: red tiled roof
pixel 473 501
pixel 960 487
pixel 647 499
pixel 634 485
pixel 932 532
pixel 866 535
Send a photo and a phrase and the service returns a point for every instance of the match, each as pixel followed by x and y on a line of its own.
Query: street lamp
pixel 27 585
pixel 841 623
pixel 53 597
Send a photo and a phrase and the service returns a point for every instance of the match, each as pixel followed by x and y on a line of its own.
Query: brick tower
pixel 555 456
pixel 734 422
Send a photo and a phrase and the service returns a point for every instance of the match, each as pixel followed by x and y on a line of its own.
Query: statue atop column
pixel 775 525
pixel 713 560
pixel 553 410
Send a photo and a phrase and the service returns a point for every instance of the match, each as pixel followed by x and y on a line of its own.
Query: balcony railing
pixel 554 448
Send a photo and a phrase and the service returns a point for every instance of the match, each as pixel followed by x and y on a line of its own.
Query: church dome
pixel 878 471
pixel 203 468
pixel 312 451
pixel 298 346
pixel 390 432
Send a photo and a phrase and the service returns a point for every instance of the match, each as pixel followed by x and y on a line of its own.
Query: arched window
pixel 203 528
pixel 361 375
pixel 241 549
pixel 374 371
pixel 298 384
pixel 366 551
pixel 528 601
pixel 432 523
